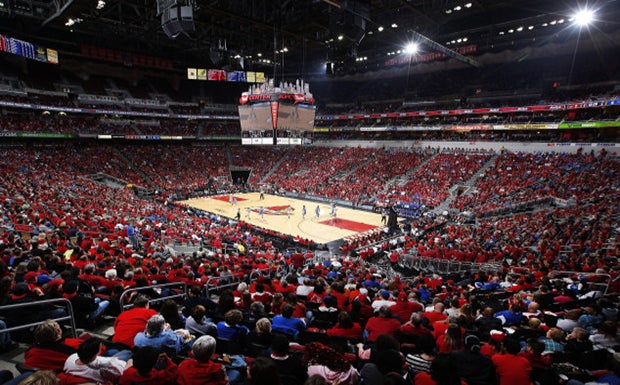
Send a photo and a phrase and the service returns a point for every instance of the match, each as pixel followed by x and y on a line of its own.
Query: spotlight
pixel 411 48
pixel 584 17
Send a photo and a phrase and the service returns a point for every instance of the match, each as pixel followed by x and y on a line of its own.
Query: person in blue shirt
pixel 231 328
pixel 511 317
pixel 287 324
pixel 159 335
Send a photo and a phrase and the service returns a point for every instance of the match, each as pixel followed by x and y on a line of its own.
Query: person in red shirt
pixel 50 350
pixel 512 369
pixel 345 327
pixel 382 324
pixel 437 314
pixel 149 368
pixel 200 370
pixel 403 307
pixel 133 321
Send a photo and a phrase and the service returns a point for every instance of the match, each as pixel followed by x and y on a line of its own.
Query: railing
pixel 445 266
pixel 213 285
pixel 179 285
pixel 556 274
pixel 69 317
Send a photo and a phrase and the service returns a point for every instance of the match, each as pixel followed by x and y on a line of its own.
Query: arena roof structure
pixel 353 34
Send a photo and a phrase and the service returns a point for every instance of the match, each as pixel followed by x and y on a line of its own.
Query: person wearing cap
pixel 21 294
pixel 473 367
pixel 383 300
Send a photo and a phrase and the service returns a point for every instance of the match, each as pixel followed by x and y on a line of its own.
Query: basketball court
pixel 284 214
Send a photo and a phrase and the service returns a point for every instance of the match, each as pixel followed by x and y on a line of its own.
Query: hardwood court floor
pixel 322 230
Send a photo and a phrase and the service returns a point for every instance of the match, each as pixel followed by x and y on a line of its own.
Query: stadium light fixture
pixel 411 48
pixel 584 17
pixel 100 4
pixel 380 29
pixel 340 37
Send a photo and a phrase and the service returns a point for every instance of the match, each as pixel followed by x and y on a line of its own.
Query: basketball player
pixel 238 216
pixel 317 211
pixel 303 213
pixel 247 212
pixel 288 212
pixel 261 213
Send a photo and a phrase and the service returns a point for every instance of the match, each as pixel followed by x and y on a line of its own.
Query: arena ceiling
pixel 296 33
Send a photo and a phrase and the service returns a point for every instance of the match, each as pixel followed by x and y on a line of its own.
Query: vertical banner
pixel 274 114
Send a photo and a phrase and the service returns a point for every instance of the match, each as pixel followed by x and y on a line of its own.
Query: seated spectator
pixel 195 297
pixel 329 364
pixel 149 368
pixel 262 334
pixel 86 307
pixel 452 339
pixel 88 364
pixel 510 317
pixel 159 335
pixel 569 322
pixel 382 324
pixel 554 340
pixel 578 341
pixel 413 329
pixel 443 372
pixel 510 368
pixel 486 322
pixel 533 352
pixel 133 321
pixel 198 324
pixel 50 350
pixel 591 318
pixel 170 311
pixel 421 362
pixel 436 314
pixel 287 324
pixel 290 368
pixel 404 307
pixel 531 330
pixel 345 327
pixel 473 367
pixel 263 371
pixel 384 299
pixel 231 329
pixel 200 370
pixel 605 336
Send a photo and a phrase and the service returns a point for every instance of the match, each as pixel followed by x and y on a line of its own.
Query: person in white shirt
pixel 87 363
pixel 385 299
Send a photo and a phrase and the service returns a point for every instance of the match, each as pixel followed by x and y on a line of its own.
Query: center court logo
pixel 275 210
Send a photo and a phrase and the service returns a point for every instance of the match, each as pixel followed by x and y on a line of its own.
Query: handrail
pixel 445 266
pixel 69 317
pixel 153 300
pixel 606 284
